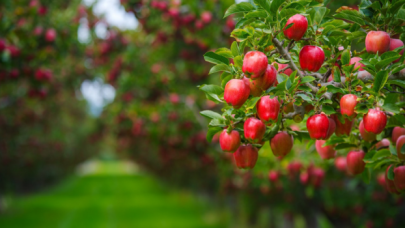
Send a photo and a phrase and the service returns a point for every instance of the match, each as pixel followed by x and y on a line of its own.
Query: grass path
pixel 109 199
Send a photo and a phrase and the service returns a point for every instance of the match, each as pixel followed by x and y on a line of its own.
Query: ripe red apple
pixel 236 92
pixel 298 29
pixel 347 104
pixel 332 128
pixel 377 41
pixel 246 156
pixel 254 64
pixel 367 136
pixel 375 121
pixel 294 168
pixel 394 44
pixel 206 17
pixel 254 130
pixel 268 108
pixel 400 143
pixel 326 152
pixel 259 85
pixel 281 144
pixel 384 143
pixel 355 163
pixel 399 178
pixel 390 185
pixel 273 176
pixel 355 61
pixel 311 58
pixel 396 133
pixel 229 142
pixel 381 179
pixel 341 164
pixel 316 177
pixel 50 35
pixel 318 126
pixel 342 128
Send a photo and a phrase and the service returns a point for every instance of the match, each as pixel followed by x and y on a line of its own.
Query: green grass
pixel 110 199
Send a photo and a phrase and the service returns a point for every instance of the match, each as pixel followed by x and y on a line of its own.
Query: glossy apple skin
pixel 311 58
pixel 396 133
pixel 399 178
pixel 389 184
pixel 355 163
pixel 259 85
pixel 318 126
pixel 342 128
pixel 326 152
pixel 341 164
pixel 347 104
pixel 394 44
pixel 377 41
pixel 400 143
pixel 375 121
pixel 332 128
pixel 355 61
pixel 268 108
pixel 367 136
pixel 229 142
pixel 236 92
pixel 281 144
pixel 273 176
pixel 298 29
pixel 246 156
pixel 254 130
pixel 254 64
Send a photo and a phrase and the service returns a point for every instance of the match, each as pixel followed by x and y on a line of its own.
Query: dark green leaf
pixel 307 79
pixel 351 15
pixel 214 89
pixel 345 57
pixel 380 81
pixel 345 146
pixel 393 150
pixel 215 58
pixel 305 97
pixel 275 4
pixel 250 104
pixel 328 110
pixel 239 8
pixel 397 82
pixel 366 176
pixel 225 52
pixel 211 132
pixel 391 173
pixel 211 114
pixel 220 67
pixel 235 49
pixel 387 58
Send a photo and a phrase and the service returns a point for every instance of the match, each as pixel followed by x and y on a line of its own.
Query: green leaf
pixel 391 173
pixel 252 103
pixel 403 149
pixel 396 6
pixel 239 8
pixel 336 74
pixel 380 81
pixel 389 103
pixel 305 97
pixel 317 14
pixel 328 110
pixel 240 34
pixel 351 15
pixel 333 89
pixel 211 132
pixel 225 52
pixel 214 89
pixel 225 80
pixel 211 114
pixel 397 82
pixel 220 67
pixel 238 61
pixel 344 146
pixel 307 79
pixel 333 140
pixel 257 13
pixel 283 61
pixel 275 4
pixel 401 14
pixel 345 57
pixel 215 58
pixel 387 58
pixel 217 123
pixel 235 49
pixel 381 154
pixel 393 150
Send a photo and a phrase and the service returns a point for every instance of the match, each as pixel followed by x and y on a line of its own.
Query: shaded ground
pixel 110 197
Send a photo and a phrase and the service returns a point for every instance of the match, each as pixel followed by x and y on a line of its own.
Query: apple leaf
pixel 239 8
pixel 351 15
pixel 287 13
pixel 235 49
pixel 307 79
pixel 252 103
pixel 215 58
pixel 345 57
pixel 387 58
pixel 225 52
pixel 391 173
pixel 333 140
pixel 344 146
pixel 328 110
pixel 256 13
pixel 403 149
pixel 211 132
pixel 368 158
pixel 336 74
pixel 305 97
pixel 397 82
pixel 226 80
pixel 393 150
pixel 219 68
pixel 275 4
pixel 381 154
pixel 211 114
pixel 317 14
pixel 366 176
pixel 380 81
pixel 240 34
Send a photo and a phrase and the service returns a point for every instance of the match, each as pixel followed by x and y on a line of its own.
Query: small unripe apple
pixel 390 185
pixel 259 85
pixel 355 61
pixel 254 130
pixel 341 164
pixel 399 178
pixel 355 163
pixel 229 142
pixel 273 176
pixel 318 126
pixel 377 41
pixel 367 136
pixel 347 104
pixel 246 156
pixel 311 58
pixel 394 44
pixel 375 121
pixel 268 108
pixel 254 64
pixel 50 35
pixel 400 143
pixel 326 152
pixel 396 133
pixel 236 92
pixel 281 144
pixel 298 29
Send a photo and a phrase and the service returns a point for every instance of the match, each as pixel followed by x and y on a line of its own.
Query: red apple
pixel 318 126
pixel 347 104
pixel 281 144
pixel 206 17
pixel 367 136
pixel 273 176
pixel 294 168
pixel 311 58
pixel 342 128
pixel 355 163
pixel 341 164
pixel 229 142
pixel 298 29
pixel 355 61
pixel 50 35
pixel 394 44
pixel 390 185
pixel 236 92
pixel 375 121
pixel 246 156
pixel 268 108
pixel 381 179
pixel 399 178
pixel 396 133
pixel 332 128
pixel 377 41
pixel 326 152
pixel 304 178
pixel 316 177
pixel 384 143
pixel 400 143
pixel 259 85
pixel 254 64
pixel 254 130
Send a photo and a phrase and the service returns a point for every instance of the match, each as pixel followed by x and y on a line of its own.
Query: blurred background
pixel 100 127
